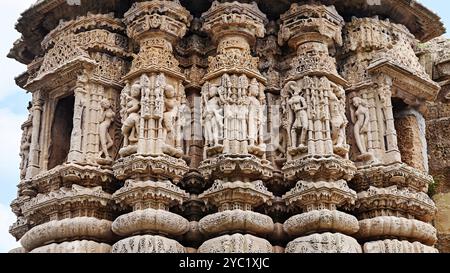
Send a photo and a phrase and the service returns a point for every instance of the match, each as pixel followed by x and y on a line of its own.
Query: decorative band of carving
pixel 67 229
pixel 396 246
pixel 150 220
pixel 74 247
pixel 306 194
pixel 391 226
pixel 418 204
pixel 147 244
pixel 236 243
pixel 236 220
pixel 321 220
pixel 324 243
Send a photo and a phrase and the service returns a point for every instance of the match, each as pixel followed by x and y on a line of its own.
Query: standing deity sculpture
pixel 106 141
pixel 212 115
pixel 130 127
pixel 360 118
pixel 338 118
pixel 230 110
pixel 298 123
pixel 184 123
pixel 242 114
pixel 256 114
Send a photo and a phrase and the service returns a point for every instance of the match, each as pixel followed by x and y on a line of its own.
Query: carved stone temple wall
pixel 191 126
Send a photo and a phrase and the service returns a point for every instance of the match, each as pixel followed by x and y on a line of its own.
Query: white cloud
pixel 9 162
pixel 10 140
pixel 7 242
pixel 9 68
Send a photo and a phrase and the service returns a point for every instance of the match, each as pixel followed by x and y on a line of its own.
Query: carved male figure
pixel 130 128
pixel 300 124
pixel 255 113
pixel 213 117
pixel 338 119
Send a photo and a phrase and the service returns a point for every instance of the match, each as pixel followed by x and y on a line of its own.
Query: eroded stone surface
pixel 236 220
pixel 150 220
pixel 57 231
pixel 74 247
pixel 396 246
pixel 321 220
pixel 324 243
pixel 236 243
pixel 398 227
pixel 147 244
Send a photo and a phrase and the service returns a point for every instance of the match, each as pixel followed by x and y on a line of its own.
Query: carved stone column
pixel 233 117
pixel 385 79
pixel 76 150
pixel 314 114
pixel 33 165
pixel 151 107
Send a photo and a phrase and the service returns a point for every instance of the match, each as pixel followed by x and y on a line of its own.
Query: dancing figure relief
pixel 130 127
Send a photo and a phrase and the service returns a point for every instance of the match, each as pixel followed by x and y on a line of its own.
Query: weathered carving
pixel 106 140
pixel 158 128
pixel 360 119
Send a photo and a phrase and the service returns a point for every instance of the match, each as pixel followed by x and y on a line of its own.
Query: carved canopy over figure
pixel 297 115
pixel 106 141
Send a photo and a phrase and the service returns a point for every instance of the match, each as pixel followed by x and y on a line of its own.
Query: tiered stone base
pixel 321 220
pixel 391 226
pixel 150 220
pixel 244 221
pixel 147 244
pixel 324 243
pixel 236 243
pixel 68 229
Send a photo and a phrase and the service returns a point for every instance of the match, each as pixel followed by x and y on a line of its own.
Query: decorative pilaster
pixel 233 103
pixel 34 156
pixel 385 79
pixel 152 104
pixel 315 121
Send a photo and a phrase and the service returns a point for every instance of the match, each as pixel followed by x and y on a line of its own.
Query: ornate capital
pixel 234 18
pixel 310 22
pixel 163 17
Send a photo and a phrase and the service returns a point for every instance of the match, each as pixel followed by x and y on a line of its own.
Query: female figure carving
pixel 106 141
pixel 360 119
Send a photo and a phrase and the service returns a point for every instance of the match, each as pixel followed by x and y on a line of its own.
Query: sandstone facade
pixel 199 126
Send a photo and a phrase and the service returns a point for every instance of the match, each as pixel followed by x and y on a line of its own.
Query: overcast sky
pixel 13 113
